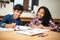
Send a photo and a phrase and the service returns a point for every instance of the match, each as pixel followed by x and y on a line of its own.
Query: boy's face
pixel 17 14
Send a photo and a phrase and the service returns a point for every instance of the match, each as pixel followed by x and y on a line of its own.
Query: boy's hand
pixel 10 25
pixel 14 24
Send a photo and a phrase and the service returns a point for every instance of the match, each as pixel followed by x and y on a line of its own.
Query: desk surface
pixel 14 36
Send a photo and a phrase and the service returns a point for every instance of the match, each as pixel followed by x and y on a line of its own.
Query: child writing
pixel 43 19
pixel 10 21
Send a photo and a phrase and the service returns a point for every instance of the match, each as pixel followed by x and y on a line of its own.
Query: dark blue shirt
pixel 8 19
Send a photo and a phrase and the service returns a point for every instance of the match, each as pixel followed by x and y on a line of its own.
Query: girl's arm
pixel 53 25
pixel 33 24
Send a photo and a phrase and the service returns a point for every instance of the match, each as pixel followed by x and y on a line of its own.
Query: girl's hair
pixel 46 18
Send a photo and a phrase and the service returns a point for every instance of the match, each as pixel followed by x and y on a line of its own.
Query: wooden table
pixel 14 36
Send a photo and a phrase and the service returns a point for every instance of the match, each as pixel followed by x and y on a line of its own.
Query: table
pixel 12 35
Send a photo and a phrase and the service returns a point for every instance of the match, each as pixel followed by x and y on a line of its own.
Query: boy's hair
pixel 47 17
pixel 18 7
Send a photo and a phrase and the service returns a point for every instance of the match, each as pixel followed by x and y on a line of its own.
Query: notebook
pixel 22 27
pixel 32 31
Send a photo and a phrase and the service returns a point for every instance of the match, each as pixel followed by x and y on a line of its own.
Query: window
pixel 27 4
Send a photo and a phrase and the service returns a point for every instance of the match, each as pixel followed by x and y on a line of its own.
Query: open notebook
pixel 22 28
pixel 25 30
pixel 32 31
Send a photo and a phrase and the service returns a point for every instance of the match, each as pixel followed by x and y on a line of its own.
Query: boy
pixel 10 21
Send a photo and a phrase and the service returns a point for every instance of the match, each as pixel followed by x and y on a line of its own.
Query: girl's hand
pixel 34 26
pixel 41 26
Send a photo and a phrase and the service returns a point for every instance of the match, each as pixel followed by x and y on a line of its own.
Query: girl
pixel 43 19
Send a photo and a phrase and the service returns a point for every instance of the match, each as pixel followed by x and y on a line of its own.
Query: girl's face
pixel 41 13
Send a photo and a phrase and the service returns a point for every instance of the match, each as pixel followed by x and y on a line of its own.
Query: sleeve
pixel 52 24
pixel 32 22
pixel 20 22
pixel 3 22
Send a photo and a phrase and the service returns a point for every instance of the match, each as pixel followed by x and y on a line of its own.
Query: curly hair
pixel 47 17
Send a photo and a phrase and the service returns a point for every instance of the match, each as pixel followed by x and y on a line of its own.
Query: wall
pixel 18 2
pixel 53 5
pixel 7 10
pixel 21 2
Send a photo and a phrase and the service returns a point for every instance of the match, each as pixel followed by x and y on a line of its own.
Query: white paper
pixel 32 31
pixel 6 29
pixel 22 28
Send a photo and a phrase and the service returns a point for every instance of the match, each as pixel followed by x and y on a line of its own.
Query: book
pixel 32 31
pixel 22 28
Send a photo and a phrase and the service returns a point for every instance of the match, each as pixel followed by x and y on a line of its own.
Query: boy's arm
pixel 20 22
pixel 12 25
pixel 3 22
